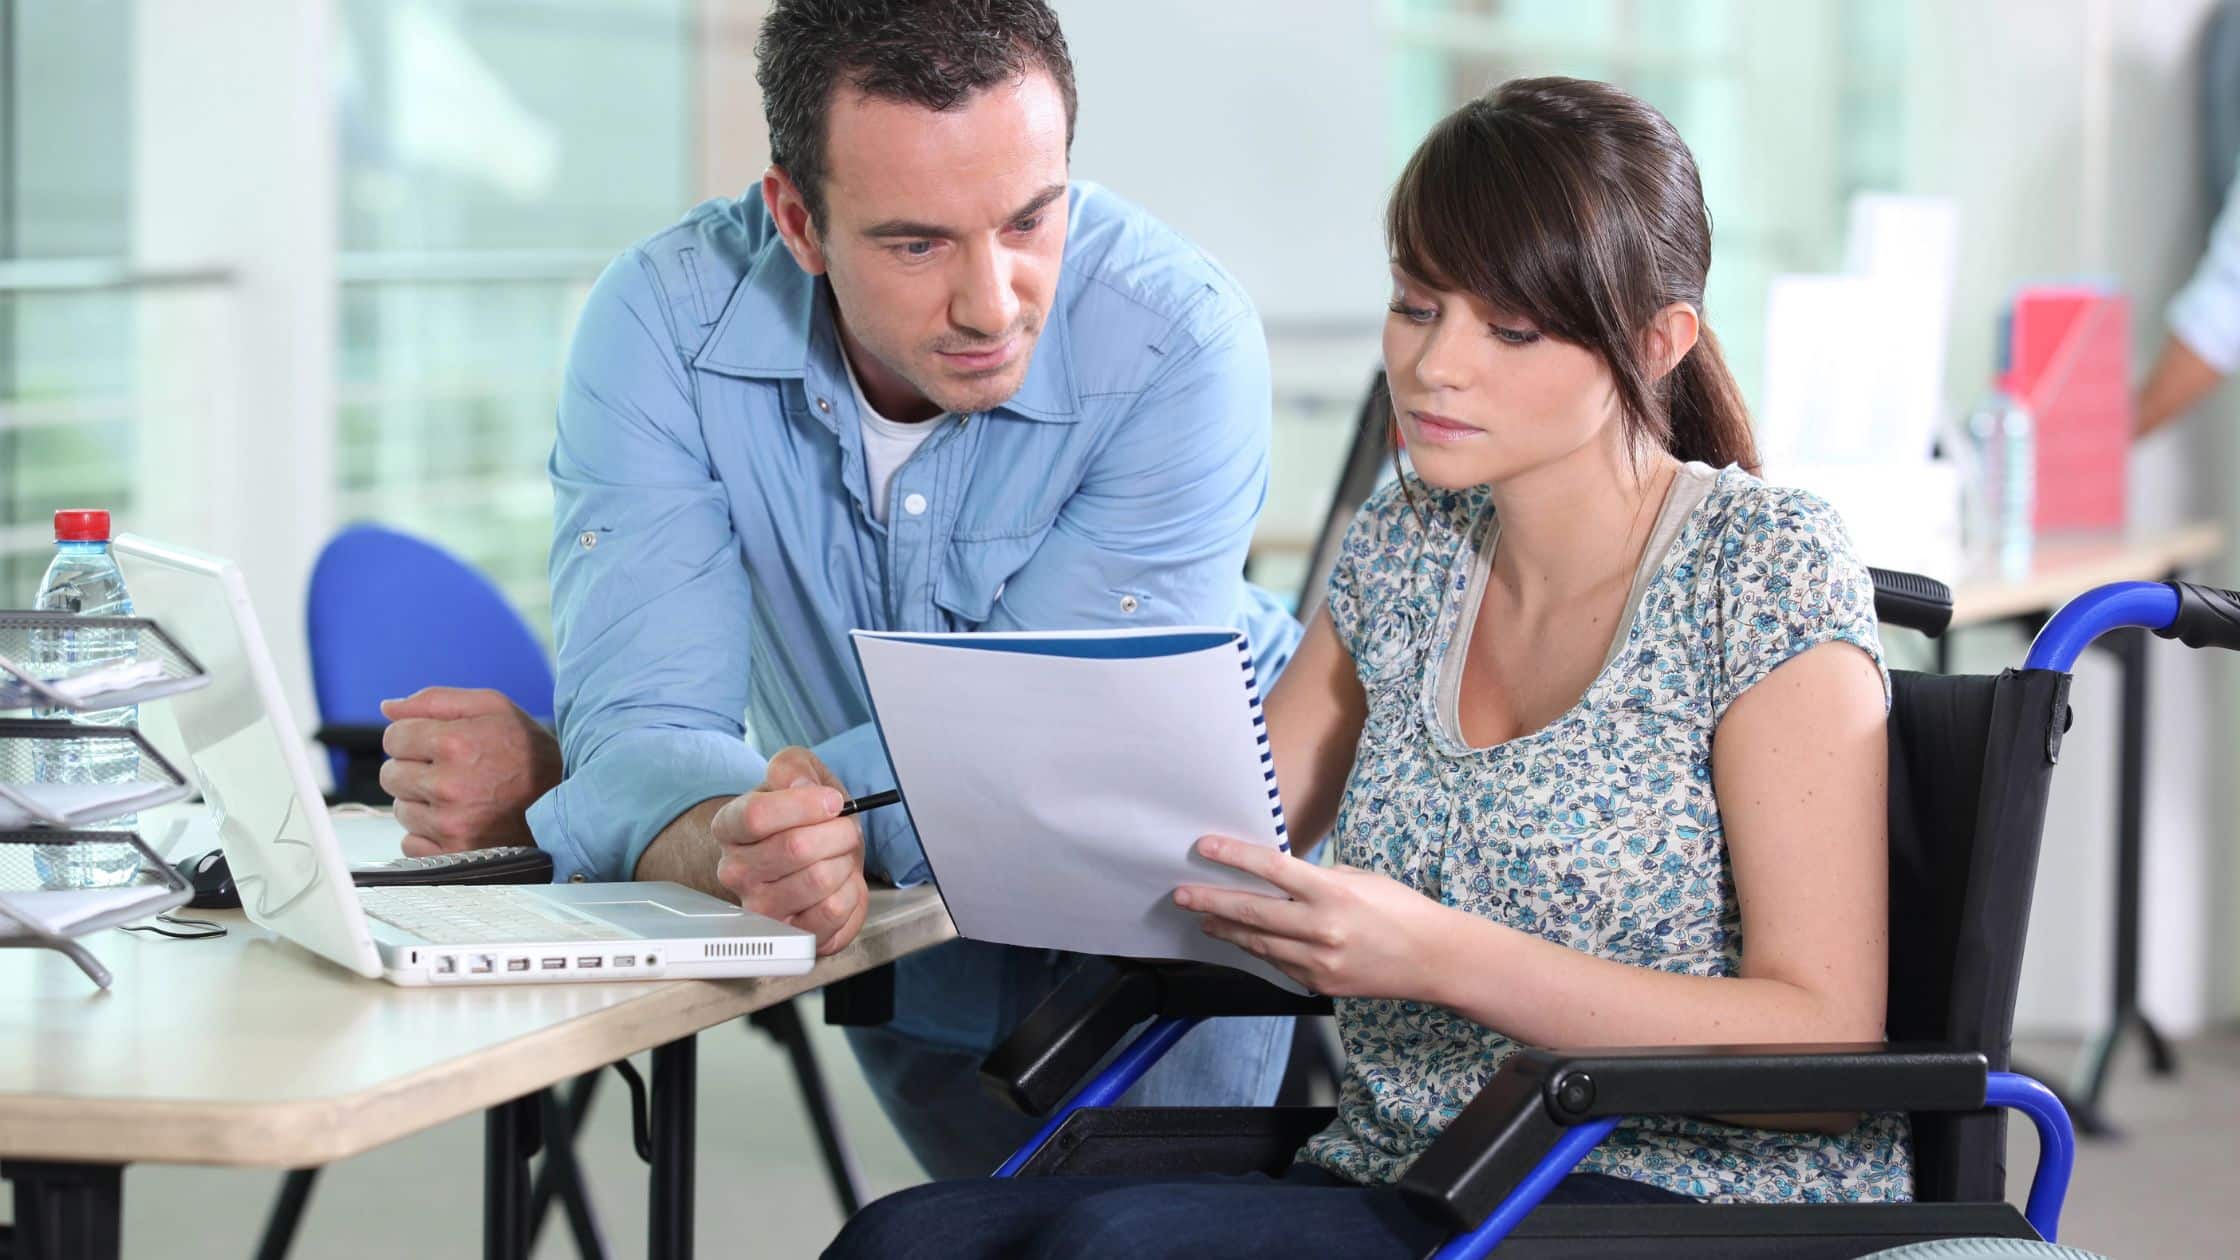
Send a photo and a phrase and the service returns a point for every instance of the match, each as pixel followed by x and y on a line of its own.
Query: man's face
pixel 942 237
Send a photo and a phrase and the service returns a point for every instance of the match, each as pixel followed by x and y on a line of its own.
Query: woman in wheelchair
pixel 1595 716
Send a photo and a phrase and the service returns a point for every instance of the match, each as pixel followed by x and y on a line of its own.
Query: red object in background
pixel 2068 357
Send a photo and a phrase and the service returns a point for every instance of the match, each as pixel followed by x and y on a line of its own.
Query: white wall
pixel 1256 128
pixel 233 167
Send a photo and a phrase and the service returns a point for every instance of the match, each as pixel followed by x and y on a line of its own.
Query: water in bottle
pixel 84 579
pixel 2002 451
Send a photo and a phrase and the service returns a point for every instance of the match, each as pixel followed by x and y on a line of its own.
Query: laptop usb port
pixel 446 965
pixel 517 964
pixel 587 962
pixel 481 964
pixel 554 964
pixel 625 960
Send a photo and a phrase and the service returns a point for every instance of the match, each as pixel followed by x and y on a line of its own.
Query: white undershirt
pixel 887 444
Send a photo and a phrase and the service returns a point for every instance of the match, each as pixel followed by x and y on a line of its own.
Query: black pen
pixel 892 796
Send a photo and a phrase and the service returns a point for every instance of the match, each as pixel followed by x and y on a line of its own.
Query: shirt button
pixel 914 504
pixel 824 404
pixel 589 539
pixel 579 878
pixel 1129 603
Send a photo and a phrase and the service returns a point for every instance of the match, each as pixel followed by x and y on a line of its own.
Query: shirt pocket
pixel 973 574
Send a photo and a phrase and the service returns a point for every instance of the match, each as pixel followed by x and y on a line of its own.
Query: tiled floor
pixel 2169 1184
pixel 2169 1188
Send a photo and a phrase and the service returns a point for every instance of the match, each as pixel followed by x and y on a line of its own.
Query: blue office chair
pixel 1971 761
pixel 388 614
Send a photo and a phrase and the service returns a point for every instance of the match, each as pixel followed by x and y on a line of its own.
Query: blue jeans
pixel 932 1094
pixel 1305 1212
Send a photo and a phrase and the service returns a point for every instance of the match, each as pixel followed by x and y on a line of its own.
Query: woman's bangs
pixel 1461 222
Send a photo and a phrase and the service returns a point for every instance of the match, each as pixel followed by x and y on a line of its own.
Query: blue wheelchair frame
pixel 2151 606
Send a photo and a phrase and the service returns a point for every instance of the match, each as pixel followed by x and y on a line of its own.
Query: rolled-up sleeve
pixel 650 600
pixel 2206 313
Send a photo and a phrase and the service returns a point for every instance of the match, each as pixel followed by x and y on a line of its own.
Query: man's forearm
pixel 685 851
pixel 2180 379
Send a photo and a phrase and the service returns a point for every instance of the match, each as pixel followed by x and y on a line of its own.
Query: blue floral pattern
pixel 1599 831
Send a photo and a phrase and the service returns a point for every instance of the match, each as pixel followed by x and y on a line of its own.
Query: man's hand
pixel 786 855
pixel 465 767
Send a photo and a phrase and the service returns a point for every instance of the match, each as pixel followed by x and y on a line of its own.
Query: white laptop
pixel 255 774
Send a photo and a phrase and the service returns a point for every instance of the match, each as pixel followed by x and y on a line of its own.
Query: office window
pixel 1789 107
pixel 67 332
pixel 494 156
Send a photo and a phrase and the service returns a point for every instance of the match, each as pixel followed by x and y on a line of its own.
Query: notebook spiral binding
pixel 1267 757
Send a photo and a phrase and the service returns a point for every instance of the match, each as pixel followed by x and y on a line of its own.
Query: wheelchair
pixel 1971 759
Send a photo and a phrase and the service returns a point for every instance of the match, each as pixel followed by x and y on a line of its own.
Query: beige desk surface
pixel 250 1051
pixel 2064 567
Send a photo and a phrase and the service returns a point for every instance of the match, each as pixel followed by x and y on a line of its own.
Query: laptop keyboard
pixel 481 914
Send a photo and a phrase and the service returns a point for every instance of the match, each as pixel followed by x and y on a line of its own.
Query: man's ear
pixel 782 197
pixel 1672 332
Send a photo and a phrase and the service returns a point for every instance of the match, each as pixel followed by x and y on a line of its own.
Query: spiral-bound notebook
pixel 1059 782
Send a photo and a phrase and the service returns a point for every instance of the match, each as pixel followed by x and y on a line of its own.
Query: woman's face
pixel 1482 396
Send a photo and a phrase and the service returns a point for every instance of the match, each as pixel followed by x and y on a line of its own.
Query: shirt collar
pixel 777 317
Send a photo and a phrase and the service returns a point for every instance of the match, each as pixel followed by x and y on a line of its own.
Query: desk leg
pixel 563 1119
pixel 510 1137
pixel 669 1206
pixel 66 1211
pixel 287 1214
pixel 2130 648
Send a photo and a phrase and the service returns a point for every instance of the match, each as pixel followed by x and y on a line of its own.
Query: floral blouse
pixel 1598 831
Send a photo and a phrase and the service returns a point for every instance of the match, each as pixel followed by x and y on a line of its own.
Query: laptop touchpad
pixel 647 903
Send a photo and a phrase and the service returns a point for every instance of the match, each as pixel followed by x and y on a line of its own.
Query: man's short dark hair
pixel 935 53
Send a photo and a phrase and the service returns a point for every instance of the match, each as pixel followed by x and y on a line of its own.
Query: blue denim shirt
pixel 713 545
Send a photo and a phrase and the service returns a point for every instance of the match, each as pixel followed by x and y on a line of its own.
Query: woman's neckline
pixel 1690 487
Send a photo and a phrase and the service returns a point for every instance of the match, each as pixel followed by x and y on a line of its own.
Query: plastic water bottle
pixel 84 579
pixel 2002 443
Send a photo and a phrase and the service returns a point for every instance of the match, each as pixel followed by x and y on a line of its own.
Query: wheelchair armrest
pixel 1204 991
pixel 1087 1016
pixel 1538 1094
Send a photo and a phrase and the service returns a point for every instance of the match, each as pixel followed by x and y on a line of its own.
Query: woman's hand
pixel 1341 932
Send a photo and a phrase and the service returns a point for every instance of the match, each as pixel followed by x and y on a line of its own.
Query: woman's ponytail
pixel 1708 419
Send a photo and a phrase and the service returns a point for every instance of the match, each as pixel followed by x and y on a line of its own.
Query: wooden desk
pixel 249 1051
pixel 2061 569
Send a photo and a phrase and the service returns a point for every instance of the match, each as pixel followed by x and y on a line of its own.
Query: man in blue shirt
pixel 922 382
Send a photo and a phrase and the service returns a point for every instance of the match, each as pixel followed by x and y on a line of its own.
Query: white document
pixel 59 912
pixel 80 804
pixel 1855 362
pixel 1059 783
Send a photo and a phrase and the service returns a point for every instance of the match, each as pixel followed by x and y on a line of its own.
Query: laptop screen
pixel 247 754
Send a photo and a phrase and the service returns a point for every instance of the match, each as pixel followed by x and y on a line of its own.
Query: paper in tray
pixel 29 909
pixel 29 751
pixel 156 666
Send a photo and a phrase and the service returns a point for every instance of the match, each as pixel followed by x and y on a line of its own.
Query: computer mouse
pixel 212 881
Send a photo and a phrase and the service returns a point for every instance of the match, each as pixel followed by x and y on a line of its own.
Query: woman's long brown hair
pixel 1577 206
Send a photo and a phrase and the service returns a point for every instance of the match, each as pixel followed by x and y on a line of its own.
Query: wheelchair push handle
pixel 2208 616
pixel 2193 614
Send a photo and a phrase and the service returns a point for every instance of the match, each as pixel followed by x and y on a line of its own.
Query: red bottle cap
pixel 81 525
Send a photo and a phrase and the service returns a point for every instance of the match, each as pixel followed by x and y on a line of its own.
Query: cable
pixel 205 930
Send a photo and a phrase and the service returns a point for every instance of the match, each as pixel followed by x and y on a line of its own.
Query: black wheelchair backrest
pixel 1971 758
